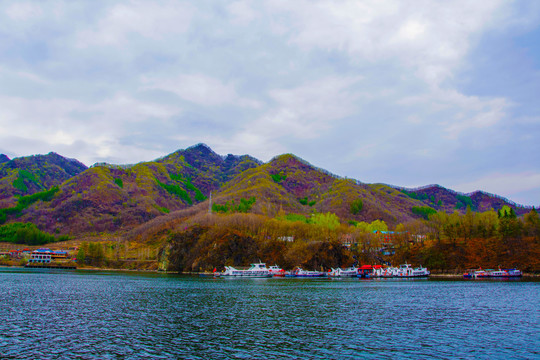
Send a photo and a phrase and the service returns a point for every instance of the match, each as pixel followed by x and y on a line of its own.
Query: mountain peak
pixel 3 158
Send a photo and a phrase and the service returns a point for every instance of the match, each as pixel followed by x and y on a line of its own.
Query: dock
pixel 50 266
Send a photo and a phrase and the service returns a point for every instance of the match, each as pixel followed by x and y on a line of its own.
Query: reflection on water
pixel 89 315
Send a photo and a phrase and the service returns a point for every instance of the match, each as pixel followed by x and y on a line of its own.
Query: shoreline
pixel 205 273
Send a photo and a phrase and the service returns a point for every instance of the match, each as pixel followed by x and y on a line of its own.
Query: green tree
pixel 356 206
pixel 327 220
pixel 377 225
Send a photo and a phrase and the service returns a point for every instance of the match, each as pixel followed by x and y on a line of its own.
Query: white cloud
pixel 460 112
pixel 199 89
pixel 151 20
pixel 23 11
pixel 431 38
pixel 373 86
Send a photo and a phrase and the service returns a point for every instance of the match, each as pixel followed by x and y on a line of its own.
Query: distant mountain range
pixel 114 198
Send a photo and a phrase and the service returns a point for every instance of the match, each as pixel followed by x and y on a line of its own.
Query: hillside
pixel 62 196
pixel 443 199
pixel 31 174
pixel 292 185
pixel 109 198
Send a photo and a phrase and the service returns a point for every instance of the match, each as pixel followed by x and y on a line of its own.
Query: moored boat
pixel 366 271
pixel 384 271
pixel 276 271
pixel 339 272
pixel 298 272
pixel 491 273
pixel 255 270
pixel 407 271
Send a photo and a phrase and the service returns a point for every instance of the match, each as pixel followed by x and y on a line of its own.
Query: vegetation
pixel 26 233
pixel 279 177
pixel 423 211
pixel 464 201
pixel 230 207
pixel 177 191
pixel 119 182
pixel 24 175
pixel 414 195
pixel 356 206
pixel 25 201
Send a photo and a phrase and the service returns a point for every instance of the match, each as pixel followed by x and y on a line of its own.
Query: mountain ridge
pixel 115 198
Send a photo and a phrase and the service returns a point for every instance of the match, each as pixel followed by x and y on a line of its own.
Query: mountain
pixel 290 184
pixel 444 199
pixel 110 198
pixel 62 196
pixel 29 175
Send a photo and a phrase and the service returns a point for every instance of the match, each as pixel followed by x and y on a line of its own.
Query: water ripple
pixel 84 315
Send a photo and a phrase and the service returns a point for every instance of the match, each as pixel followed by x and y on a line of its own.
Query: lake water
pixel 109 315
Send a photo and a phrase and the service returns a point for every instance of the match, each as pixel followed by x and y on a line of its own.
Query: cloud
pixel 379 90
pixel 154 21
pixel 503 184
pixel 459 112
pixel 431 38
pixel 199 89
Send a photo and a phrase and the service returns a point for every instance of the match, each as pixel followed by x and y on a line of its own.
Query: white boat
pixel 255 270
pixel 385 272
pixel 407 271
pixel 339 272
pixel 490 273
pixel 298 272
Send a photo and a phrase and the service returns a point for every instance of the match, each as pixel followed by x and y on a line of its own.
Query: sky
pixel 407 92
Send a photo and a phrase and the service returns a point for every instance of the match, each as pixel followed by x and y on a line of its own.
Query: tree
pixel 532 224
pixel 356 206
pixel 327 220
pixel 377 225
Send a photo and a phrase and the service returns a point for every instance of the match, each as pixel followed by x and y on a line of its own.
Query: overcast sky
pixel 400 92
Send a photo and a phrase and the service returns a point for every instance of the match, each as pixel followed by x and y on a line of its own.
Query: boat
pixel 407 271
pixel 339 272
pixel 299 272
pixel 384 272
pixel 365 271
pixel 491 273
pixel 276 271
pixel 258 270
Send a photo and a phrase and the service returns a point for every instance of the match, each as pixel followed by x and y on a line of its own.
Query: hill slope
pixel 32 174
pixel 110 198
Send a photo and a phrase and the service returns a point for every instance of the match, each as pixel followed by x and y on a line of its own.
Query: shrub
pixel 423 211
pixel 357 206
pixel 119 182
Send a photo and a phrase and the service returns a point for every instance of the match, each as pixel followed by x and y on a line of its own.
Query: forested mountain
pixel 28 175
pixel 62 196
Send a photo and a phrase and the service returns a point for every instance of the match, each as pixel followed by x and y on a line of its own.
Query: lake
pixel 52 314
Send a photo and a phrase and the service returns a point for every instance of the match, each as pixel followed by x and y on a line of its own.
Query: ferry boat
pixel 298 272
pixel 366 271
pixel 339 272
pixel 256 270
pixel 276 271
pixel 384 272
pixel 490 273
pixel 407 271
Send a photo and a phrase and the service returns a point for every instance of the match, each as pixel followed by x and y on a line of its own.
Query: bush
pixel 244 206
pixel 423 211
pixel 177 191
pixel 119 182
pixel 356 206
